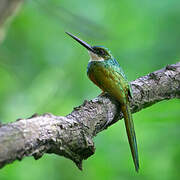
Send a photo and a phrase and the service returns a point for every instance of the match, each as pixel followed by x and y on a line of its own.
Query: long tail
pixel 131 134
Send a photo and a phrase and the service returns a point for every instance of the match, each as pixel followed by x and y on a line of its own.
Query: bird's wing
pixel 120 71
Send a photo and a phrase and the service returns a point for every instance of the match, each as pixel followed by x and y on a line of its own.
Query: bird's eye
pixel 101 52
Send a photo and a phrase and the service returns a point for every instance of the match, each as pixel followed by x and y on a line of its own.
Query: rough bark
pixel 72 136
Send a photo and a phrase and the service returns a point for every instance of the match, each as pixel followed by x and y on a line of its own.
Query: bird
pixel 105 72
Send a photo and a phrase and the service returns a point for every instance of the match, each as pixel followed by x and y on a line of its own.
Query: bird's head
pixel 97 53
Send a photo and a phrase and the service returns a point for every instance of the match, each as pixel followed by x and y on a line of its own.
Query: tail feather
pixel 131 134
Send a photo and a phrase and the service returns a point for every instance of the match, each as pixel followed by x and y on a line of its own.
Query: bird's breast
pixel 107 78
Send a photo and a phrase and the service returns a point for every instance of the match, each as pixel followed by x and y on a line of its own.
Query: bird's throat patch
pixel 95 57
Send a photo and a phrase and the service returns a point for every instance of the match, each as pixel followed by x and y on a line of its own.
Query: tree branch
pixel 8 8
pixel 72 136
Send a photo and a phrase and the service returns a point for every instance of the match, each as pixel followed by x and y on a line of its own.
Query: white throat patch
pixel 94 57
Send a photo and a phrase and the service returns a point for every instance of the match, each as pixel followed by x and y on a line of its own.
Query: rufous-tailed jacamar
pixel 106 73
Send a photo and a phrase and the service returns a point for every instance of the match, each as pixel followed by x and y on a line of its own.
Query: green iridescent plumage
pixel 107 74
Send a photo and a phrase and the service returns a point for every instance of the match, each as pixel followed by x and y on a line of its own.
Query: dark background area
pixel 44 70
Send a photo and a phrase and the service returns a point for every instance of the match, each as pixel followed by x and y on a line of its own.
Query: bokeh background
pixel 44 70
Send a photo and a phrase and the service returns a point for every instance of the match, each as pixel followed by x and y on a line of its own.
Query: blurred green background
pixel 44 70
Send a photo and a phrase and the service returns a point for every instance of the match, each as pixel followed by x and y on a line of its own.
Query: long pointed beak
pixel 87 46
